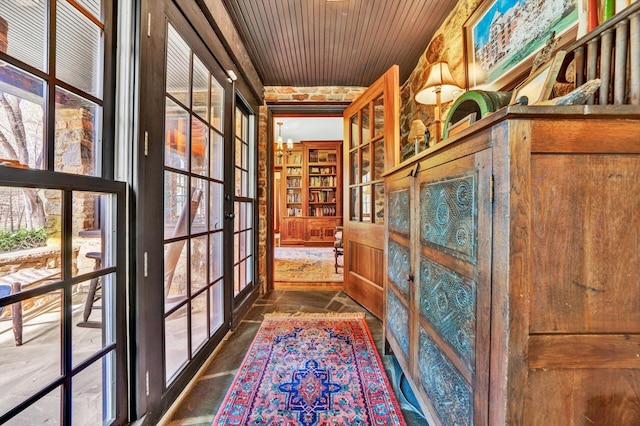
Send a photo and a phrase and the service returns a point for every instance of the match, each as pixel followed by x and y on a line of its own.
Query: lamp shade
pixel 439 79
pixel 417 131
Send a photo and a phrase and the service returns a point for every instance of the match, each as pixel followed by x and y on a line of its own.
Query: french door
pixel 371 134
pixel 186 199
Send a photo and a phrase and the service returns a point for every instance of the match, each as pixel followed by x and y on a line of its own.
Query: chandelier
pixel 280 152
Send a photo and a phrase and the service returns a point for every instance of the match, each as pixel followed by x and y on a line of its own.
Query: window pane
pixel 378 159
pixel 26 32
pixel 175 273
pixel 238 148
pixel 199 205
pixel 30 247
pixel 45 411
pixel 92 6
pixel 175 205
pixel 238 182
pixel 217 152
pixel 378 110
pixel 355 204
pixel 216 307
pixel 78 50
pixel 366 125
pixel 95 325
pixel 199 332
pixel 177 136
pixel 366 163
pixel 78 130
pixel 39 359
pixel 199 147
pixel 90 405
pixel 215 253
pixel 355 131
pixel 216 206
pixel 92 231
pixel 175 342
pixel 378 193
pixel 178 65
pixel 366 203
pixel 198 263
pixel 353 167
pixel 22 96
pixel 217 105
pixel 200 88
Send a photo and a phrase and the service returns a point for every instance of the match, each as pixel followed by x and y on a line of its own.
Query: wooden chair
pixel 338 247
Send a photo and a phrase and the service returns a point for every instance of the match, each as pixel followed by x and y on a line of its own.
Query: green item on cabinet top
pixel 479 102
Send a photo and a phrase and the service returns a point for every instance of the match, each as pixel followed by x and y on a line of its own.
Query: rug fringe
pixel 315 315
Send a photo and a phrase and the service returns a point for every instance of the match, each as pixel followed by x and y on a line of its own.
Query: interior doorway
pixel 306 198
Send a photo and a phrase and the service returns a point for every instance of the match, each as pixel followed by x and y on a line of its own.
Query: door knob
pixel 229 216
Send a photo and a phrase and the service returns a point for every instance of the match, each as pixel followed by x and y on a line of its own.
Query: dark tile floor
pixel 206 393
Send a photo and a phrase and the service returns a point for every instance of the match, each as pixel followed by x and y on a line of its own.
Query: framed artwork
pixel 538 86
pixel 502 36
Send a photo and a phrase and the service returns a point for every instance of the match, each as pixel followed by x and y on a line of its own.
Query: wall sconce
pixel 280 152
pixel 440 87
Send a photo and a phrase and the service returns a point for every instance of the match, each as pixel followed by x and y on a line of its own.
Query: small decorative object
pixel 417 134
pixel 440 87
pixel 538 86
pixel 592 15
pixel 609 10
pixel 456 128
pixel 578 96
pixel 479 102
pixel 543 56
pixel 427 138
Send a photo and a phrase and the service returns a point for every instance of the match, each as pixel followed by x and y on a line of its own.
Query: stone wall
pixel 290 96
pixel 447 45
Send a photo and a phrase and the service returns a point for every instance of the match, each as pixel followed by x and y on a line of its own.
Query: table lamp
pixel 416 134
pixel 440 87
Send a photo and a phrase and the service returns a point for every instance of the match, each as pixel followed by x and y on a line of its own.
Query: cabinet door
pixel 453 291
pixel 321 231
pixel 292 231
pixel 399 287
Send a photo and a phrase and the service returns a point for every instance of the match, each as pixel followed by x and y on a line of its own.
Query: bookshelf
pixel 312 193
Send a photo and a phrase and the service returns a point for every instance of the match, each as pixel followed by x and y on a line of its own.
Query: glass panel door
pixel 244 202
pixel 193 200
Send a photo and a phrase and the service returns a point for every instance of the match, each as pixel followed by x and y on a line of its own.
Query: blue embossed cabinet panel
pixel 399 266
pixel 397 322
pixel 448 301
pixel 448 392
pixel 399 211
pixel 448 215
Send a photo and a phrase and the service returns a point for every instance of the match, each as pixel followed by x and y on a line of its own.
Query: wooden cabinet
pixel 311 193
pixel 512 289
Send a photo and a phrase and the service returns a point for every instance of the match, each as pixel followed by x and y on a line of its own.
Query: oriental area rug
pixel 306 264
pixel 311 370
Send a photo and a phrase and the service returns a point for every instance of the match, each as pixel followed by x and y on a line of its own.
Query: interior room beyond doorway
pixel 307 200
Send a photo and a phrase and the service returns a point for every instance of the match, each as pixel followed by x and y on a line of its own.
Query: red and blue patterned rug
pixel 311 370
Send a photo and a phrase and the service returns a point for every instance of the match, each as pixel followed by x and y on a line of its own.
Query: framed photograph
pixel 502 36
pixel 538 86
pixel 456 128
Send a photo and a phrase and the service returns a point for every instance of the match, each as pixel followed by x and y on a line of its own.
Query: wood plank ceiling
pixel 335 42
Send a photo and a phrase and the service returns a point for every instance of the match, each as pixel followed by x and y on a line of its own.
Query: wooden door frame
pixel 333 109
